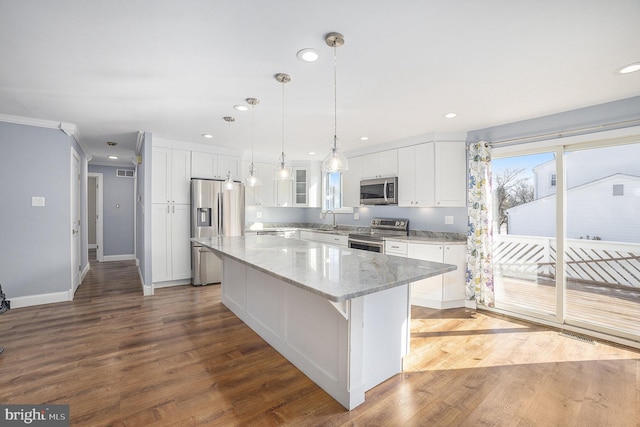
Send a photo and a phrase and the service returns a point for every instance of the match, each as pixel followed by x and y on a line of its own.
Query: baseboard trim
pixel 125 257
pixel 84 272
pixel 31 300
pixel 147 290
pixel 170 283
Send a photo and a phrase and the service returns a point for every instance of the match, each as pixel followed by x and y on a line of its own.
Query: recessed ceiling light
pixel 364 138
pixel 113 157
pixel 206 135
pixel 308 55
pixel 450 115
pixel 241 107
pixel 629 68
pixel 311 153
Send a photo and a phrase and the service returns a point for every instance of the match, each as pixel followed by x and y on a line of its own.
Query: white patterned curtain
pixel 479 281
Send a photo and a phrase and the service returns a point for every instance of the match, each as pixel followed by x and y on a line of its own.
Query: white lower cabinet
pixel 444 291
pixel 171 247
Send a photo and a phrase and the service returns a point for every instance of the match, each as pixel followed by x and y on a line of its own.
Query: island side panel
pixel 304 327
pixel 386 334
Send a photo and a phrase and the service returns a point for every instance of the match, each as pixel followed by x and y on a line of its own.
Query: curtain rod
pixel 545 136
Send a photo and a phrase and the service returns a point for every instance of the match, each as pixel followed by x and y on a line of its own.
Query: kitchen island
pixel 341 316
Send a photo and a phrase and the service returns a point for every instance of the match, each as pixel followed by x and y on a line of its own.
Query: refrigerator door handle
pixel 220 214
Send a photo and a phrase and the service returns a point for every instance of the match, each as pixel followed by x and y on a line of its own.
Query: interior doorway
pixel 95 214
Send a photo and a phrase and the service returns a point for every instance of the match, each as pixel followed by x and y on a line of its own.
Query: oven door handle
pixel 367 242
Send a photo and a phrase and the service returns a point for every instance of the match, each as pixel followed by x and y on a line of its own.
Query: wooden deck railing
pixel 588 261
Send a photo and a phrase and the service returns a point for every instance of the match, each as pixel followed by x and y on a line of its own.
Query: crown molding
pixel 68 128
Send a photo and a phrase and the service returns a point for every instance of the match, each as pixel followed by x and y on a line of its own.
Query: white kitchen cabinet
pixel 416 165
pixel 171 248
pixel 397 248
pixel 300 187
pixel 307 185
pixel 380 164
pixel 206 165
pixel 444 291
pixel 433 174
pixel 450 174
pixel 262 195
pixel 283 190
pixel 333 239
pixel 351 183
pixel 170 176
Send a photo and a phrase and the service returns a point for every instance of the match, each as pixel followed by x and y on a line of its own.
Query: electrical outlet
pixel 259 214
pixel 356 216
pixel 448 219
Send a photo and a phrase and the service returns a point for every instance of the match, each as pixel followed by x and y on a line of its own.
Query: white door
pixel 75 221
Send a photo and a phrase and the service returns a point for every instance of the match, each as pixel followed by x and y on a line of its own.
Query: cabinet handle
pixel 168 209
pixel 174 208
pixel 395 247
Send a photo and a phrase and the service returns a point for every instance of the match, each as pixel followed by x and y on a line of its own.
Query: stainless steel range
pixel 379 229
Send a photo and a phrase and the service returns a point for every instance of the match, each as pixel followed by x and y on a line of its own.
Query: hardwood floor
pixel 181 358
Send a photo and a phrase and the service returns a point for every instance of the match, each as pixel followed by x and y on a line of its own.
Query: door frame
pixel 75 219
pixel 99 213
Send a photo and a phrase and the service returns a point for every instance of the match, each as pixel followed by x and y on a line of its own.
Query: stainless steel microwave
pixel 379 191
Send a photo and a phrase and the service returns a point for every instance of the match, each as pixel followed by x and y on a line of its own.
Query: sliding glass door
pixel 567 236
pixel 602 244
pixel 524 240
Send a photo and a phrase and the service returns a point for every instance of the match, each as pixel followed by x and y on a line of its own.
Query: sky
pixel 526 162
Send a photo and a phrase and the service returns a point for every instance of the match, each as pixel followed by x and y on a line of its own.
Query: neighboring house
pixel 585 166
pixel 615 197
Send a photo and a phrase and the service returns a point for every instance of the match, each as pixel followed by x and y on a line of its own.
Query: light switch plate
pixel 259 214
pixel 37 201
pixel 448 219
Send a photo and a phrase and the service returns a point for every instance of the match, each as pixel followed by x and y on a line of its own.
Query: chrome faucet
pixel 324 215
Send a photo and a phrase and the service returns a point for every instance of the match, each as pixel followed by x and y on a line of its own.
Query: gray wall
pixel 117 222
pixel 35 242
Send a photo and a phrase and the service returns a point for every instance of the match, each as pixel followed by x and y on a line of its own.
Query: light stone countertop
pixel 333 272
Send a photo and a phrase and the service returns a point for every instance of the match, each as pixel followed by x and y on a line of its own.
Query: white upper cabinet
pixel 432 174
pixel 381 164
pixel 451 174
pixel 214 166
pixel 263 194
pixel 416 166
pixel 351 183
pixel 171 175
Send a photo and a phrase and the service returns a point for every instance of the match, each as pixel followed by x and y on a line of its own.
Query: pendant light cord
pixel 335 97
pixel 283 121
pixel 253 124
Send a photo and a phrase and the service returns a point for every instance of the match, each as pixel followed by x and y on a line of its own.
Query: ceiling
pixel 176 67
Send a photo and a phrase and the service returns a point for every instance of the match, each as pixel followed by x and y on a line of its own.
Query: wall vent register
pixel 125 173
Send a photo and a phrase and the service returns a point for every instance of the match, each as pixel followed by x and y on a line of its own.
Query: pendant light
pixel 335 161
pixel 283 172
pixel 252 180
pixel 228 183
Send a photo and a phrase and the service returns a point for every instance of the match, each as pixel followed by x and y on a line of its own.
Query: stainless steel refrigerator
pixel 215 211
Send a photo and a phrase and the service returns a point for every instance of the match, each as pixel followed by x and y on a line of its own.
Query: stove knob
pixel 397 223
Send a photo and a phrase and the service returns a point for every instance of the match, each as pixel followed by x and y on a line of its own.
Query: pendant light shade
pixel 283 172
pixel 335 161
pixel 252 180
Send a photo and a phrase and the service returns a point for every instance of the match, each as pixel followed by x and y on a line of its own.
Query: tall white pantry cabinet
pixel 170 196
